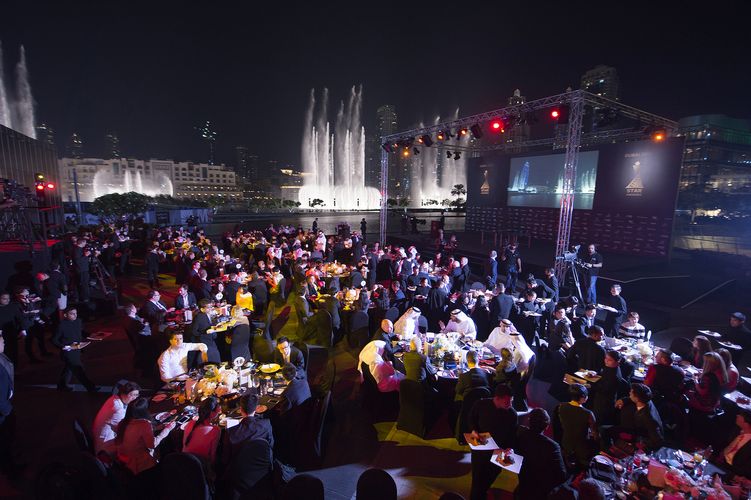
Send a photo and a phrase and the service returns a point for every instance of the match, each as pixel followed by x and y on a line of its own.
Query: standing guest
pixel 240 335
pixel 664 378
pixel 490 418
pixel 7 417
pixel 363 227
pixel 257 287
pixel 705 398
pixel 638 417
pixel 185 299
pixel 587 353
pixel 701 346
pixel 481 317
pixel 606 391
pixel 550 284
pixel 436 304
pixel 140 336
pixel 513 260
pixel 738 332
pixel 110 415
pixel 152 265
pixel 81 256
pixel 69 334
pixel 31 323
pixel 136 440
pixel 593 263
pixel 543 468
pixel 529 313
pixel 173 362
pixel 50 295
pixel 631 328
pixel 297 390
pixel 733 373
pixel 501 304
pixel 201 436
pixel 474 377
pixel 57 286
pixel 288 354
pixel 491 270
pixel 616 312
pixel 576 426
pixel 203 332
pixel 231 288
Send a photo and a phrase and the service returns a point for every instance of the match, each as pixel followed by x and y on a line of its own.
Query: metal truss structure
pixel 571 141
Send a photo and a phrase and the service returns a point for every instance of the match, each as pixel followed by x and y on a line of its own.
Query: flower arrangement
pixel 216 382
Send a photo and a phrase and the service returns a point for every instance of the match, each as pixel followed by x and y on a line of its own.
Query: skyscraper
pixel 398 167
pixel 45 134
pixel 519 131
pixel 111 146
pixel 603 81
pixel 75 146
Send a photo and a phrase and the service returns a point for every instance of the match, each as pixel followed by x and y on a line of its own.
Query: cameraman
pixel 81 267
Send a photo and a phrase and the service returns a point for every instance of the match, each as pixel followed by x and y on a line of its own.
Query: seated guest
pixel 185 299
pixel 542 468
pixel 417 366
pixel 136 441
pixel 287 353
pixel 581 324
pixel 701 346
pixel 610 387
pixel 297 390
pixel 481 317
pixel 576 427
pixel 500 337
pixel 386 377
pixel 733 373
pixel 249 428
pixel 631 327
pixel 244 298
pixel 240 335
pixel 736 456
pixel 154 310
pixel 587 353
pixel 705 397
pixel 505 371
pixel 110 415
pixel 200 286
pixel 201 437
pixel 664 378
pixel 406 326
pixel 462 324
pixel 498 419
pixel 173 363
pixel 385 333
pixel 738 332
pixel 473 377
pixel 637 417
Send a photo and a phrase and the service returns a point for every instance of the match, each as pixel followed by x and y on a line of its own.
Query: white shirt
pixel 174 361
pixel 497 340
pixel 105 424
pixel 465 326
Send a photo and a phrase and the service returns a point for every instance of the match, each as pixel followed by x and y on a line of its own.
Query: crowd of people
pixel 389 302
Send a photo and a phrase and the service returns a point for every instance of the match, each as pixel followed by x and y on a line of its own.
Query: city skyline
pixel 153 91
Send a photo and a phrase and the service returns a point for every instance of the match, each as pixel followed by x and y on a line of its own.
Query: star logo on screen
pixel 636 186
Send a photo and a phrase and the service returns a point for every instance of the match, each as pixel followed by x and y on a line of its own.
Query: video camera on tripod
pixel 572 260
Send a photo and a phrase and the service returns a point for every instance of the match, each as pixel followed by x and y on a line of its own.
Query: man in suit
pixel 581 325
pixel 297 390
pixel 154 310
pixel 736 456
pixel 249 428
pixel 385 333
pixel 257 287
pixel 144 343
pixel 498 419
pixel 203 332
pixel 550 284
pixel 81 256
pixel 418 368
pixel 500 305
pixel 57 286
pixel 473 377
pixel 638 417
pixel 465 272
pixel 70 332
pixel 574 427
pixel 491 270
pixel 152 266
pixel 559 330
pixel 288 354
pixel 302 306
pixel 185 299
pixel 230 289
pixel 543 468
pixel 200 286
pixel 587 353
pixel 617 312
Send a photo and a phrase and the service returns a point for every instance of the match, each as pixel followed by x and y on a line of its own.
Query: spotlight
pixel 658 135
pixel 476 131
pixel 405 153
pixel 40 187
pixel 457 155
pixel 416 151
pixel 497 126
pixel 462 132
pixel 555 114
pixel 50 185
pixel 426 140
pixel 448 154
pixel 560 114
pixel 441 135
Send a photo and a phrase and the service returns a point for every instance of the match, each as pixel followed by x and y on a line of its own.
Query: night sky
pixel 153 73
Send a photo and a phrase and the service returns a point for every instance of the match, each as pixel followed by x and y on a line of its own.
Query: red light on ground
pixel 40 187
pixel 50 185
pixel 555 114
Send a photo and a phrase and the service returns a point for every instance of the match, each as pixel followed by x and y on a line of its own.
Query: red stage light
pixel 555 114
pixel 497 126
pixel 50 185
pixel 40 187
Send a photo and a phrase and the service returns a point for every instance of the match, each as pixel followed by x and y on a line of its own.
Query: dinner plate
pixel 270 368
pixel 158 398
pixel 261 408
pixel 162 416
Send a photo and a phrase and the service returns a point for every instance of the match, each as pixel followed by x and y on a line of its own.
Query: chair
pixel 422 324
pixel 375 484
pixel 381 405
pixel 520 390
pixel 358 323
pixel 250 470
pixel 411 407
pixel 303 347
pixel 392 314
pixel 92 477
pixel 83 438
pixel 683 347
pixel 303 486
pixel 309 449
pixel 470 398
pixel 316 365
pixel 192 482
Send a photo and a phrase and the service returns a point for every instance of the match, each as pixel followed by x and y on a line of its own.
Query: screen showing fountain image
pixel 537 181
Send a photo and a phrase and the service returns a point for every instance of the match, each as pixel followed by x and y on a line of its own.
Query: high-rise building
pixel 373 160
pixel 603 81
pixel 74 148
pixel 398 167
pixel 45 134
pixel 246 164
pixel 519 131
pixel 111 146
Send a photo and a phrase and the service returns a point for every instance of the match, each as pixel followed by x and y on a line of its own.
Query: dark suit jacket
pixel 476 377
pixel 230 292
pixel 152 314
pixel 542 468
pixel 579 327
pixel 417 366
pixel 295 394
pixel 491 269
pixel 259 291
pixel 388 349
pixel 741 461
pixel 152 262
pixel 6 388
pixel 586 354
pixel 500 308
pixel 295 357
pixel 249 428
pixel 56 284
pixel 180 302
pixel 201 288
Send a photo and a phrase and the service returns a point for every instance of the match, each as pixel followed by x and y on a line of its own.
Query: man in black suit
pixel 581 324
pixel 257 287
pixel 57 286
pixel 302 307
pixel 738 332
pixel 249 428
pixel 617 313
pixel 542 468
pixel 500 305
pixel 473 377
pixel 154 310
pixel 736 456
pixel 70 332
pixel 638 417
pixel 587 353
pixel 152 266
pixel 185 299
pixel 286 353
pixel 200 286
pixel 203 332
pixel 81 256
pixel 498 419
pixel 550 284
pixel 231 288
pixel 491 270
pixel 297 390
pixel 559 330
pixel 144 343
pixel 386 333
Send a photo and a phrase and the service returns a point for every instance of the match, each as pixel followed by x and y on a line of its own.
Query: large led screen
pixel 537 181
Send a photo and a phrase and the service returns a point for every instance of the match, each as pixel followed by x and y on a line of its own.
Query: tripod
pixel 102 277
pixel 573 273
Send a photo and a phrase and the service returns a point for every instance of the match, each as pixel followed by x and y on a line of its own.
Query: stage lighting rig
pixel 457 155
pixel 476 130
pixel 441 135
pixel 498 125
pixel 462 132
pixel 448 154
pixel 560 114
pixel 426 140
pixel 416 151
